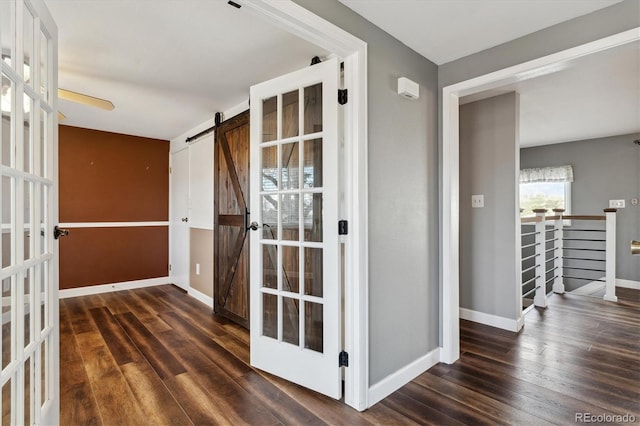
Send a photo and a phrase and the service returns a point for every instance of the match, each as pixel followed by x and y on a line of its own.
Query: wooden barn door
pixel 231 276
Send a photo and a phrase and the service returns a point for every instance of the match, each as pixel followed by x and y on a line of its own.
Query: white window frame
pixel 567 199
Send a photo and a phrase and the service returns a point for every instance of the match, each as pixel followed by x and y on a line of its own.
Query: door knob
pixel 254 226
pixel 59 232
pixel 635 247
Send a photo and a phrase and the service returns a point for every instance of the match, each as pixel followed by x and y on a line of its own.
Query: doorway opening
pixel 451 168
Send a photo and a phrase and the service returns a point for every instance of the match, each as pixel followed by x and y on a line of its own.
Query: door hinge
pixel 343 359
pixel 342 96
pixel 169 170
pixel 343 227
pixel 169 267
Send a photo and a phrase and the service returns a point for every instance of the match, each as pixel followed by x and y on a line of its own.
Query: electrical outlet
pixel 616 204
pixel 634 201
pixel 477 201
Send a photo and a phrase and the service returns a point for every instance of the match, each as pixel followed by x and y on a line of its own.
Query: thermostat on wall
pixel 408 89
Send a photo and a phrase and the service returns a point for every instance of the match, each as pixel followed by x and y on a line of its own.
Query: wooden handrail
pixel 531 219
pixel 584 217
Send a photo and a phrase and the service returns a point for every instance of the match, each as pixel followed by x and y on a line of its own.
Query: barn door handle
pixel 59 232
pixel 253 225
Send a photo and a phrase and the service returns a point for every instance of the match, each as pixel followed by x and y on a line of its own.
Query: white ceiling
pixel 590 97
pixel 167 65
pixel 445 30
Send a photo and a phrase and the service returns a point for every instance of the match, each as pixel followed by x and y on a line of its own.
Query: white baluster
pixel 558 283
pixel 540 298
pixel 610 260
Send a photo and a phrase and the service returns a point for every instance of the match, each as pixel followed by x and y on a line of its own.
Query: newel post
pixel 540 298
pixel 610 259
pixel 558 283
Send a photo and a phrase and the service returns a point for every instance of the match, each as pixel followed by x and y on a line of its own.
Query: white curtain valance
pixel 547 174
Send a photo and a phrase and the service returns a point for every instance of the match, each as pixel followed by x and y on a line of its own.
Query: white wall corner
pixel 207 300
pixel 107 288
pixel 519 323
pixel 396 380
pixel 491 320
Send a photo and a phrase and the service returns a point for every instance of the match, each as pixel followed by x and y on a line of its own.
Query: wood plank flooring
pixel 156 356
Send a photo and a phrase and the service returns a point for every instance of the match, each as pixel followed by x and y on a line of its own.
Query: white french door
pixel 28 166
pixel 295 257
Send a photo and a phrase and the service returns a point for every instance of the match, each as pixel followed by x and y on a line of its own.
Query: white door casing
pixel 297 20
pixel 178 219
pixel 450 251
pixel 296 330
pixel 29 191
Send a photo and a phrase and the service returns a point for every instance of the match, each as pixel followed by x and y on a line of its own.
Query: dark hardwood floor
pixel 156 356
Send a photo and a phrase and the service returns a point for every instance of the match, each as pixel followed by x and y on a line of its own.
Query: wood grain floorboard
pixel 156 356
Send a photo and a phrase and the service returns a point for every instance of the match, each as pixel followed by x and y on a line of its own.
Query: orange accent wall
pixel 109 177
pixel 91 256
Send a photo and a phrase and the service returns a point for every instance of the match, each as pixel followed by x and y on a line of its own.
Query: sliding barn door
pixel 295 280
pixel 231 275
pixel 29 333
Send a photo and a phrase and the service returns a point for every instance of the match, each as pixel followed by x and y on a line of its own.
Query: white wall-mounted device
pixel 408 89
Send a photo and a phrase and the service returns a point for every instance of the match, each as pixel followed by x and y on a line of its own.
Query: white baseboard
pixel 106 288
pixel 198 295
pixel 490 320
pixel 628 284
pixel 396 380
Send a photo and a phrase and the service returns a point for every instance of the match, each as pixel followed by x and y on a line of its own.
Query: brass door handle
pixel 635 247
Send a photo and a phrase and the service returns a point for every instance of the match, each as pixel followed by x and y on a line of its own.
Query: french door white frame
pixel 41 175
pixel 297 20
pixel 449 251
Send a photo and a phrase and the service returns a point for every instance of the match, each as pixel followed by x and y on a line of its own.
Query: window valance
pixel 547 174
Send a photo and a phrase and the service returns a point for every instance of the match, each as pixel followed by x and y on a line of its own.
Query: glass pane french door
pixel 27 166
pixel 295 280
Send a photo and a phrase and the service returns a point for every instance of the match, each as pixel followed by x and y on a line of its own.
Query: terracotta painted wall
pixel 109 177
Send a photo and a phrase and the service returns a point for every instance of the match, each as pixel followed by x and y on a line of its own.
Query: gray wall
pixel 488 158
pixel 603 169
pixel 403 199
pixel 594 26
pixel 583 29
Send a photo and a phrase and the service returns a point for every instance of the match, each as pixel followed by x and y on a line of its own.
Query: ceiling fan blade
pixel 61 116
pixel 85 99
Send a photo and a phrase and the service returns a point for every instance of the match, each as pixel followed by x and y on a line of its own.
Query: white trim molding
pixel 396 380
pixel 201 297
pixel 450 255
pixel 492 320
pixel 628 284
pixel 108 288
pixel 111 224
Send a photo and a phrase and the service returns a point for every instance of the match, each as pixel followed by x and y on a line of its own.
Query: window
pixel 545 188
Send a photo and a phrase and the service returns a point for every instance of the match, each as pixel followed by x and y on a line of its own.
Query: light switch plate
pixel 477 201
pixel 616 204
